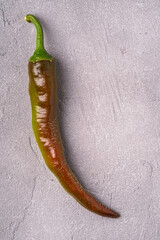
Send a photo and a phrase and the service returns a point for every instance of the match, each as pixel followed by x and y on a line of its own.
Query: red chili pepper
pixel 43 95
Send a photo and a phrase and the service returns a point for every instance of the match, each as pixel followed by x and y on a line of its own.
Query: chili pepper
pixel 43 95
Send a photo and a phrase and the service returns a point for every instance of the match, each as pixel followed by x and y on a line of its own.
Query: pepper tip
pixel 112 214
pixel 116 215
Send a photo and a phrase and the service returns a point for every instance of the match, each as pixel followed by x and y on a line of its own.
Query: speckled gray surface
pixel 108 64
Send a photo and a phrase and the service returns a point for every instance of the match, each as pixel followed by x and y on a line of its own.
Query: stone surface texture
pixel 108 66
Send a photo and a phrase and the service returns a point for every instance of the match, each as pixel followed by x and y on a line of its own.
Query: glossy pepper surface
pixel 43 95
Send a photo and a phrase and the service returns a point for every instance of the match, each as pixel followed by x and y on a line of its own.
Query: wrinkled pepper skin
pixel 43 95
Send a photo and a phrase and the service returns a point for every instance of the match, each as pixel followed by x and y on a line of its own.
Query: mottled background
pixel 108 65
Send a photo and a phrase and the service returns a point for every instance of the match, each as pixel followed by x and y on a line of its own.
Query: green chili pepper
pixel 43 95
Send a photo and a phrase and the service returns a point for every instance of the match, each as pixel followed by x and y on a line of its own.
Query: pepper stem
pixel 40 53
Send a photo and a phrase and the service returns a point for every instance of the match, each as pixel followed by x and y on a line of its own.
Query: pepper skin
pixel 43 95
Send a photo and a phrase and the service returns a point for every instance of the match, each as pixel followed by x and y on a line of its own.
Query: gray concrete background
pixel 108 64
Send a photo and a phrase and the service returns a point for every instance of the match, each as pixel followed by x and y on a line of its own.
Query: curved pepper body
pixel 43 94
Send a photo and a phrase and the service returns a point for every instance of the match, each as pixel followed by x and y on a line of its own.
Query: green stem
pixel 40 53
